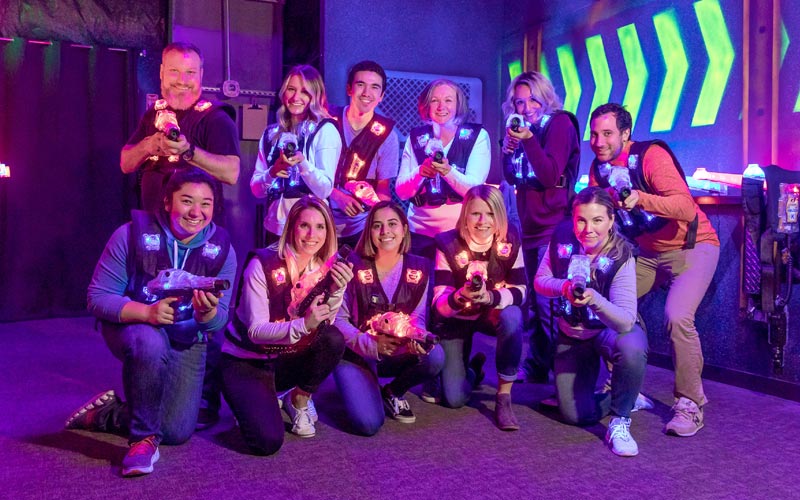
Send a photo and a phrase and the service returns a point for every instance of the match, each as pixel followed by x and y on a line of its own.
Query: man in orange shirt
pixel 677 244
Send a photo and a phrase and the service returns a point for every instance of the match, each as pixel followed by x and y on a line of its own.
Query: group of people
pixel 404 304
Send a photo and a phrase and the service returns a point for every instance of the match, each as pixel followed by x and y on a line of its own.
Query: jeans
pixel 162 381
pixel 251 386
pixel 543 335
pixel 357 380
pixel 456 340
pixel 577 365
pixel 212 380
pixel 689 273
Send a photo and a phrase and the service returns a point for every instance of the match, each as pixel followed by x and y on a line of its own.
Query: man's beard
pixel 180 99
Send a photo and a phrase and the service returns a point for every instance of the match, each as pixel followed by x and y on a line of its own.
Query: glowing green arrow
pixel 514 68
pixel 720 61
pixel 669 38
pixel 784 41
pixel 637 70
pixel 569 73
pixel 601 74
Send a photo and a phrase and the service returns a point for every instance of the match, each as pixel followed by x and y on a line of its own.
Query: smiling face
pixel 181 78
pixel 592 224
pixel 309 232
pixel 366 91
pixel 606 139
pixel 526 105
pixel 296 98
pixel 387 231
pixel 190 210
pixel 443 106
pixel 480 221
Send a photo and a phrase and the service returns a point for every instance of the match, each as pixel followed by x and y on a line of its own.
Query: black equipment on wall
pixel 771 257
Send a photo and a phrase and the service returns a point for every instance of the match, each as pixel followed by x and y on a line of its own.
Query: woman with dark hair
pixel 273 346
pixel 590 268
pixel 384 308
pixel 159 337
pixel 298 154
pixel 480 286
pixel 436 183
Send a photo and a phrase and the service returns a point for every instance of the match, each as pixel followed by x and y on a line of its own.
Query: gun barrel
pixel 172 131
pixel 475 283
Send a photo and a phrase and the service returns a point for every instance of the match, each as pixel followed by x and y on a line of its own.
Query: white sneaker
pixel 619 437
pixel 642 403
pixel 686 420
pixel 302 422
pixel 312 410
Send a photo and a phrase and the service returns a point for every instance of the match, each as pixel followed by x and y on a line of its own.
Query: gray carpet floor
pixel 750 447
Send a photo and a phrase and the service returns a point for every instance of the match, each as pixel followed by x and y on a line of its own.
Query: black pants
pixel 251 386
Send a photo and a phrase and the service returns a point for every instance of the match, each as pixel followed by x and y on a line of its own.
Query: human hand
pixel 348 204
pixel 522 134
pixel 317 313
pixel 161 312
pixel 342 273
pixel 387 345
pixel 442 167
pixel 171 148
pixel 510 143
pixel 426 169
pixel 631 201
pixel 205 305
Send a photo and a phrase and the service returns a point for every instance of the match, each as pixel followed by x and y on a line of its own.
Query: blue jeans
pixel 456 340
pixel 357 380
pixel 162 381
pixel 577 365
pixel 251 386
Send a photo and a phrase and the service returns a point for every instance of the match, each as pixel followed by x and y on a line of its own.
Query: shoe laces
pixel 144 447
pixel 685 409
pixel 302 416
pixel 620 429
pixel 400 404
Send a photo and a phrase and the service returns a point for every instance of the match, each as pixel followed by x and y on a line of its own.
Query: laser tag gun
pixel 516 121
pixel 398 325
pixel 635 221
pixel 287 144
pixel 770 251
pixel 305 291
pixel 477 274
pixel 179 283
pixel 435 150
pixel 579 273
pixel 167 123
pixel 363 192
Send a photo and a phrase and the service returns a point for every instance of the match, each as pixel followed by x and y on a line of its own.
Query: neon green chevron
pixel 720 61
pixel 569 73
pixel 514 68
pixel 601 74
pixel 543 67
pixel 636 68
pixel 669 38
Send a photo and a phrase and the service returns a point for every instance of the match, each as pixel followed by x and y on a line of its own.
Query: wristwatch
pixel 189 153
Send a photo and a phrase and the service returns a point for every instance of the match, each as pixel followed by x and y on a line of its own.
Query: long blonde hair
pixel 494 198
pixel 541 90
pixel 317 107
pixel 286 247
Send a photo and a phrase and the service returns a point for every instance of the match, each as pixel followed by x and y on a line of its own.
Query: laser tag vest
pixel 357 157
pixel 500 257
pixel 369 294
pixel 279 291
pixel 635 161
pixel 458 155
pixel 148 254
pixel 523 171
pixel 288 187
pixel 562 247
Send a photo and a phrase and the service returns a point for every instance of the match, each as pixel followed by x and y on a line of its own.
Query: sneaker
pixel 140 457
pixel 91 415
pixel 432 391
pixel 619 437
pixel 206 418
pixel 397 408
pixel 687 420
pixel 504 413
pixel 476 365
pixel 642 403
pixel 312 410
pixel 302 422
